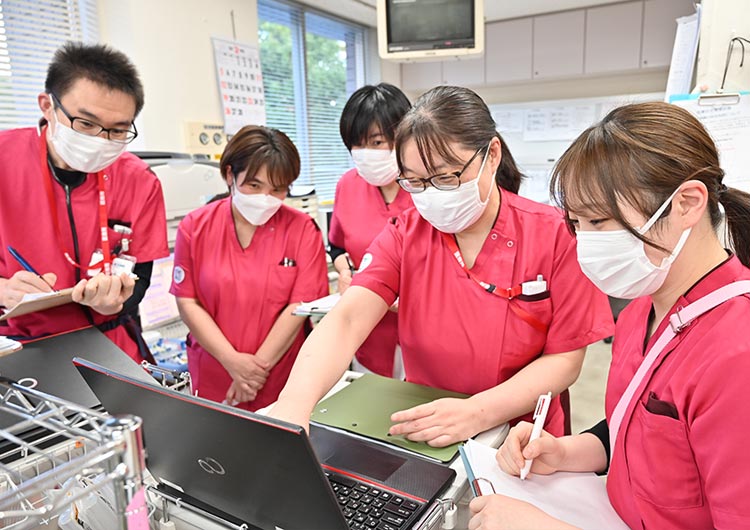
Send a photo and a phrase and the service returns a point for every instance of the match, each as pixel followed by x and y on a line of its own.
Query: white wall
pixel 722 20
pixel 170 43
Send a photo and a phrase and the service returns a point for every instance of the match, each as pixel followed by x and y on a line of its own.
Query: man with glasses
pixel 81 211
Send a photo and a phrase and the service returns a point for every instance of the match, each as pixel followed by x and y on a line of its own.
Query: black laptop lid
pixel 257 469
pixel 49 362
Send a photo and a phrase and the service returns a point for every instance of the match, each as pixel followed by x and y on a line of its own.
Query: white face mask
pixel 256 208
pixel 616 261
pixel 455 210
pixel 377 166
pixel 82 152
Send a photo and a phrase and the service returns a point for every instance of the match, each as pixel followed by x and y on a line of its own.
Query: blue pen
pixel 469 472
pixel 27 266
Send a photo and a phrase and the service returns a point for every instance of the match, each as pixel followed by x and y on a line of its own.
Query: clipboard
pixel 38 302
pixel 364 407
pixel 318 307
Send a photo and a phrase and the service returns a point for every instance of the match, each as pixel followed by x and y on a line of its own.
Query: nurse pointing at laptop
pixel 492 300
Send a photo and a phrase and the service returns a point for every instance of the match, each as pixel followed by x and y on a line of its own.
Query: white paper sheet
pixel 579 499
pixel 320 306
pixel 729 126
pixel 683 54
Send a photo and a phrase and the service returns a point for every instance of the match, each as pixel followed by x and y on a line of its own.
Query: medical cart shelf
pixel 76 443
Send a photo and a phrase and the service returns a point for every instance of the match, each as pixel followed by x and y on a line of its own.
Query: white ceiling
pixel 363 11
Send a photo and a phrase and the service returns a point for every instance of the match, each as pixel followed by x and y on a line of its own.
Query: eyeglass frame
pixel 72 119
pixel 455 174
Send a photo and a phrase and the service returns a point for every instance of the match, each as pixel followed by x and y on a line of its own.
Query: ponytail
pixel 507 175
pixel 736 205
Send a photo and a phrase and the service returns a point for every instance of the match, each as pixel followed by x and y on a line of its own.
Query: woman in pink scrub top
pixel 492 300
pixel 644 192
pixel 367 196
pixel 242 264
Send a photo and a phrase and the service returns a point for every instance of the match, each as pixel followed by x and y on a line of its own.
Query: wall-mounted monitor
pixel 430 29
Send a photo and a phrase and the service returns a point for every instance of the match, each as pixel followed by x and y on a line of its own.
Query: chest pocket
pixel 654 441
pixel 523 341
pixel 281 281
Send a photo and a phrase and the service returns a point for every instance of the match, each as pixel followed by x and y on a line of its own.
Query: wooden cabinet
pixel 464 72
pixel 507 51
pixel 613 38
pixel 558 44
pixel 659 29
pixel 420 76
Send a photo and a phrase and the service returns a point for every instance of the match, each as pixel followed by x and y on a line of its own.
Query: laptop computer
pixel 46 364
pixel 268 474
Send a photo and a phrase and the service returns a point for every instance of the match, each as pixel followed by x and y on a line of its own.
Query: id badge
pixel 123 264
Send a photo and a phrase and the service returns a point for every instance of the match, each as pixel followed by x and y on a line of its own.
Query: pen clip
pixel 542 405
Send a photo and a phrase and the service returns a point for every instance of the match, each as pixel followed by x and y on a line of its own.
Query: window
pixel 311 64
pixel 30 32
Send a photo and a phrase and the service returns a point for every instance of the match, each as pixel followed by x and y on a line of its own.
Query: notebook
pixel 268 474
pixel 353 409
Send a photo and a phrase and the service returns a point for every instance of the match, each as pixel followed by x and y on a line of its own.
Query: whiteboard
pixel 538 132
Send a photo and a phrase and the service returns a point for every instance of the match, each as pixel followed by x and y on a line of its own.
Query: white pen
pixel 540 416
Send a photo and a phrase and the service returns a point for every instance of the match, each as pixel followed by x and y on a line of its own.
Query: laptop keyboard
pixel 366 507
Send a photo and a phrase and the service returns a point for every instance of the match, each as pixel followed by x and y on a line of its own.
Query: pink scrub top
pixel 134 198
pixel 359 214
pixel 457 336
pixel 681 460
pixel 245 290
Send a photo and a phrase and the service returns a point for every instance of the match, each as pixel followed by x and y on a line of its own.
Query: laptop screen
pixel 158 306
pixel 259 470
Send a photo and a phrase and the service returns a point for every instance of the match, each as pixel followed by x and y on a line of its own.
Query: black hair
pixel 448 115
pixel 96 62
pixel 382 104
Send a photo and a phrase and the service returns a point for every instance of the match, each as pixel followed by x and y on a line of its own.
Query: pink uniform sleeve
pixel 183 278
pixel 719 432
pixel 335 230
pixel 311 282
pixel 580 312
pixel 380 269
pixel 150 225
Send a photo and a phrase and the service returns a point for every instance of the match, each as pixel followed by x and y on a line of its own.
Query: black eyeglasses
pixel 445 182
pixel 90 128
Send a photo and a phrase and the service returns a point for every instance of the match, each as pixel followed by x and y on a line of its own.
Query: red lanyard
pixel 508 293
pixel 103 220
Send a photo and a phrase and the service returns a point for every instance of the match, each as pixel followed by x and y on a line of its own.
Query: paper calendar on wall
pixel 240 84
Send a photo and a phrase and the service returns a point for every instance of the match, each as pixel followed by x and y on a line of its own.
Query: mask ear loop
pixel 481 169
pixel 646 227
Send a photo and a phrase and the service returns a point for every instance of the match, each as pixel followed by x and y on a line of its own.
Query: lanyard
pixel 677 322
pixel 103 221
pixel 509 293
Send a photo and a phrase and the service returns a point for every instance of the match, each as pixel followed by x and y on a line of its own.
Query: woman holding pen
pixel 643 190
pixel 492 302
pixel 367 196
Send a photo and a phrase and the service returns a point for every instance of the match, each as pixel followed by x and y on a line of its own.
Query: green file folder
pixel 365 406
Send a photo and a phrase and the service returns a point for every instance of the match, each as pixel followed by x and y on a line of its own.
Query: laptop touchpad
pixel 367 461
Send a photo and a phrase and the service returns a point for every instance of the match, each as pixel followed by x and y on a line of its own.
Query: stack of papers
pixel 579 499
pixel 8 345
pixel 320 306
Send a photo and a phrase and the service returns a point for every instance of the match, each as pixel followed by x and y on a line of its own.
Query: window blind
pixel 30 32
pixel 311 64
